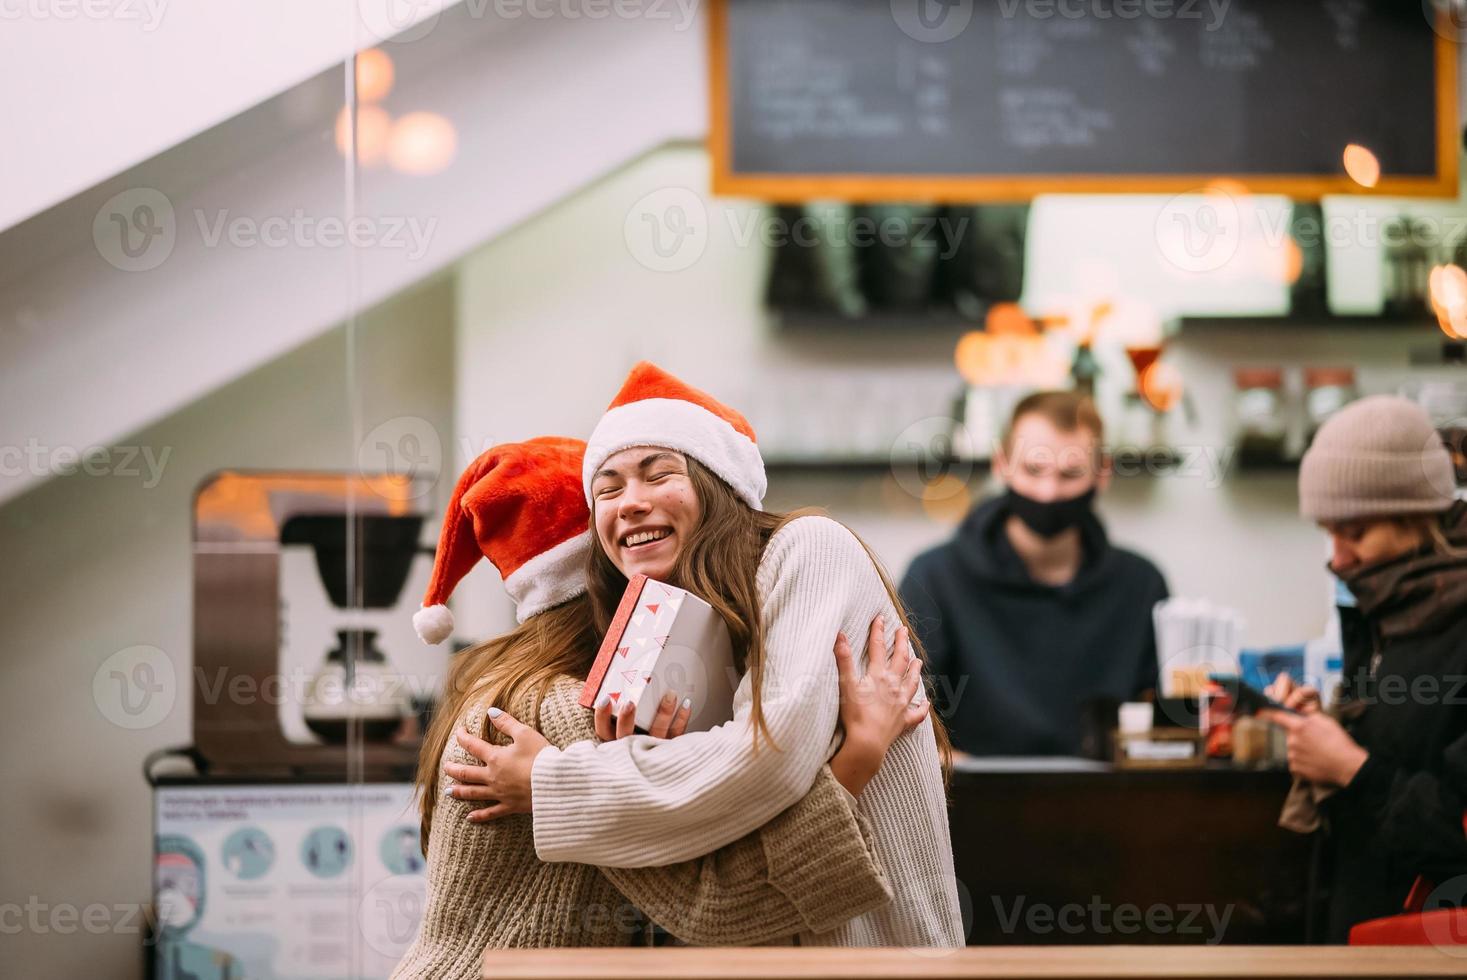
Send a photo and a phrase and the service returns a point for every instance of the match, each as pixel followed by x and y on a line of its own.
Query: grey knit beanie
pixel 1376 457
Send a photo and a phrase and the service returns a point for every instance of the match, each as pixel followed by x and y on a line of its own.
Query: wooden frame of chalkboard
pixel 797 187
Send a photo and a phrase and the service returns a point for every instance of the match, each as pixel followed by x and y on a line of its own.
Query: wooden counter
pixel 1069 963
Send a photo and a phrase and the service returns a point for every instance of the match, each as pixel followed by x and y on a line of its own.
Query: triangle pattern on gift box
pixel 637 619
pixel 653 607
pixel 640 641
pixel 623 651
pixel 631 676
pixel 662 640
pixel 615 696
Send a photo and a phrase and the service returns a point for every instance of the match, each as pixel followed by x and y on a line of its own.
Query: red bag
pixel 1413 927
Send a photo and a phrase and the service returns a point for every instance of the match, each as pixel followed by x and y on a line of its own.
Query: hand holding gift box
pixel 665 639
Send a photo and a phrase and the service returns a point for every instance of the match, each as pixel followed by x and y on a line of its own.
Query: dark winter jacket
pixel 1014 661
pixel 1405 698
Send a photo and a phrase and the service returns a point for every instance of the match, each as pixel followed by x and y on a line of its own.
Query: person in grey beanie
pixel 1389 761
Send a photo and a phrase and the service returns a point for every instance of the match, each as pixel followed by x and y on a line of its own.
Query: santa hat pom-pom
pixel 433 623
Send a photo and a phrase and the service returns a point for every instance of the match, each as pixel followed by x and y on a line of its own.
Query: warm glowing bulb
pixel 1009 357
pixel 974 358
pixel 1455 325
pixel 1008 318
pixel 1226 187
pixel 1361 165
pixel 1448 290
pixel 375 74
pixel 1161 386
pixel 1291 261
pixel 373 127
pixel 422 143
pixel 1449 286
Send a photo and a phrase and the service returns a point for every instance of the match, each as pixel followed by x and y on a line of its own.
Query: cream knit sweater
pixel 809 869
pixel 640 802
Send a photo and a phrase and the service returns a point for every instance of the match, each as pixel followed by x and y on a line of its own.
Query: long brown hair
pixel 1439 534
pixel 1430 531
pixel 561 640
pixel 719 563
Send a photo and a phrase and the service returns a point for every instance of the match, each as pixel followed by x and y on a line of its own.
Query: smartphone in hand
pixel 1247 698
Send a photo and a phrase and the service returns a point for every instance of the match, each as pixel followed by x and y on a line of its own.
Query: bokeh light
pixel 1448 290
pixel 1008 318
pixel 1361 165
pixel 374 126
pixel 1161 386
pixel 1226 187
pixel 1290 261
pixel 974 358
pixel 422 143
pixel 375 74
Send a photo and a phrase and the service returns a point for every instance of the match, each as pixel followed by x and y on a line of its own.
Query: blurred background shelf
pixel 1424 322
pixel 868 466
pixel 1127 461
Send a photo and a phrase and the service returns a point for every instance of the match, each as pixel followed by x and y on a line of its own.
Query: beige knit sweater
pixel 639 802
pixel 806 871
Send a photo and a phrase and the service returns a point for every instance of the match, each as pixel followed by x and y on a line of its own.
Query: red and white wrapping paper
pixel 665 638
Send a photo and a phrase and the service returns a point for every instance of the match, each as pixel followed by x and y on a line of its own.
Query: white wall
pixel 248 264
pixel 551 315
pixel 96 564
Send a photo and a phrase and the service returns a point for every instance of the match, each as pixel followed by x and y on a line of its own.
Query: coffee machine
pixel 338 707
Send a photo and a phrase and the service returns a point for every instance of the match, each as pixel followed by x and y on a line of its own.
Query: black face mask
pixel 1048 518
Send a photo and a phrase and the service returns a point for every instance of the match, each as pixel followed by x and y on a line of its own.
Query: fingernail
pixel 687 703
pixel 602 701
pixel 668 697
pixel 495 712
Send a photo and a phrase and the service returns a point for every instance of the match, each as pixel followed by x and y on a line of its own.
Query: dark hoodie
pixel 1014 660
pixel 1404 699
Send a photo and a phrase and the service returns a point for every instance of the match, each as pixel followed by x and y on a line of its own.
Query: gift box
pixel 665 639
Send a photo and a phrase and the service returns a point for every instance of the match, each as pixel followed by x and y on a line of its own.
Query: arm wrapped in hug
pixel 658 802
pixel 809 869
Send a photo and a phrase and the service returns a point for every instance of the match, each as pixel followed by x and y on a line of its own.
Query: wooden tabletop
pixel 1050 963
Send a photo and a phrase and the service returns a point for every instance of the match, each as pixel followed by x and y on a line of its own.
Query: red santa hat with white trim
pixel 520 506
pixel 654 408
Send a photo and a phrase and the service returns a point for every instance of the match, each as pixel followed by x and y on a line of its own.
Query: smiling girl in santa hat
pixel 676 483
pixel 521 506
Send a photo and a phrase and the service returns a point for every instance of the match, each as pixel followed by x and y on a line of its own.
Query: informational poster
pixel 286 882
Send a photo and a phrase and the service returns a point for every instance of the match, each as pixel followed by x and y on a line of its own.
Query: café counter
pixel 1073 852
pixel 1073 963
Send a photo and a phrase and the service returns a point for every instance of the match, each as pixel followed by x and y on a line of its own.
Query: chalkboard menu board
pixel 974 100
